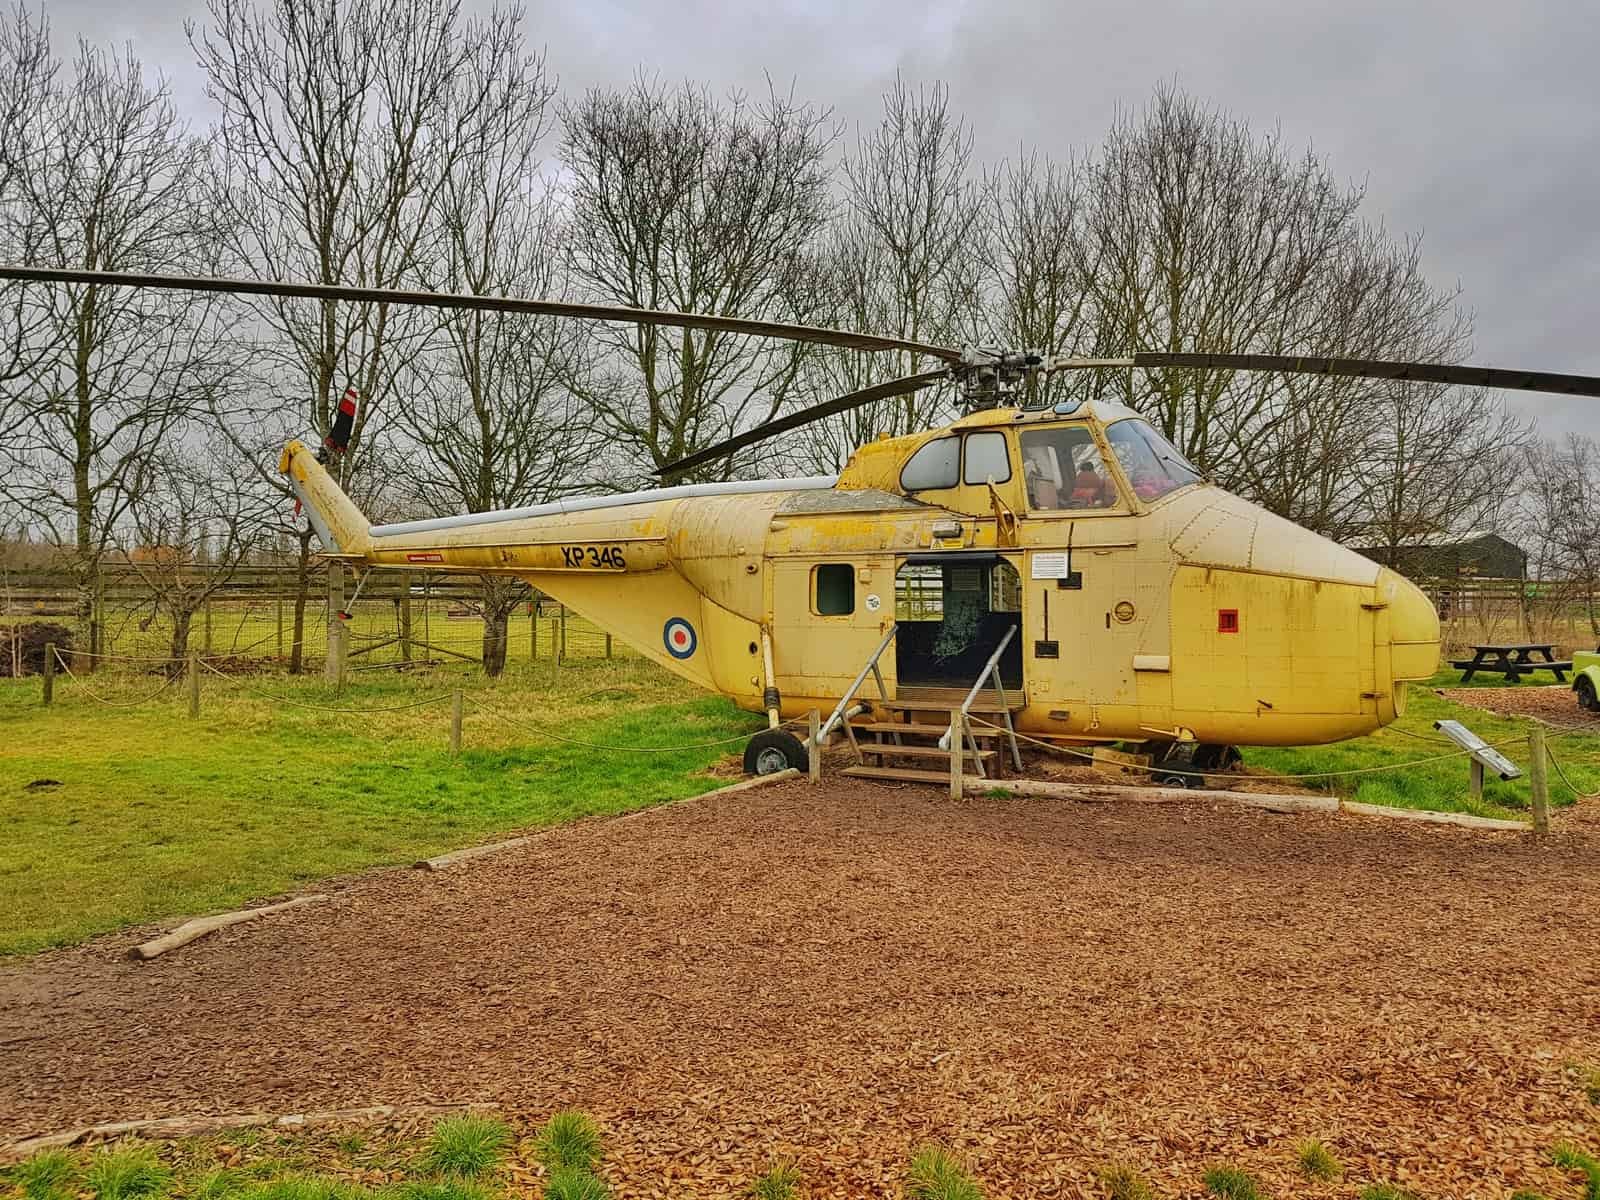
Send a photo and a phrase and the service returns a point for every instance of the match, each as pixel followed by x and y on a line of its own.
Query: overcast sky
pixel 1476 124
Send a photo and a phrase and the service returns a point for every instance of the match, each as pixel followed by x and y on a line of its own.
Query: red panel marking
pixel 1227 620
pixel 424 558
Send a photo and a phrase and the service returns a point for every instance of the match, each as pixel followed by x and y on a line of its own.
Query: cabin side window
pixel 936 465
pixel 833 590
pixel 1063 470
pixel 987 460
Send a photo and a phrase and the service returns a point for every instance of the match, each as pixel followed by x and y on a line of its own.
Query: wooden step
pixel 919 730
pixel 889 750
pixel 980 707
pixel 898 774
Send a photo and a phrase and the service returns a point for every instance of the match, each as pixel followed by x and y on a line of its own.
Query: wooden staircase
pixel 902 745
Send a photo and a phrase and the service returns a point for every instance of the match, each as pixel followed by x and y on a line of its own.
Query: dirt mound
pixel 841 974
pixel 1555 704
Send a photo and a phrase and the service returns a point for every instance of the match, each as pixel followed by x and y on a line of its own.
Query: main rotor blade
pixel 878 391
pixel 511 304
pixel 1489 377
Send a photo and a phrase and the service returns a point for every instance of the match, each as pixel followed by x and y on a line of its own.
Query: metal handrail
pixel 947 742
pixel 871 666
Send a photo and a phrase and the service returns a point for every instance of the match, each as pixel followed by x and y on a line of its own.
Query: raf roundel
pixel 679 637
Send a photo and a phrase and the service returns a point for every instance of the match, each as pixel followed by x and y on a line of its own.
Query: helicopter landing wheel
pixel 774 750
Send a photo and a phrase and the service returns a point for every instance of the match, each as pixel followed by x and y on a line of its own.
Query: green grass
pixel 1440 785
pixel 126 1173
pixel 936 1174
pixel 158 816
pixel 1569 1158
pixel 1316 1160
pixel 1122 1182
pixel 569 1140
pixel 780 1182
pixel 575 1183
pixel 1230 1183
pixel 48 1175
pixel 1385 1191
pixel 468 1146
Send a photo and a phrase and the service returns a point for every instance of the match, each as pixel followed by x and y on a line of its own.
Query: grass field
pixel 1442 784
pixel 115 811
pixel 117 815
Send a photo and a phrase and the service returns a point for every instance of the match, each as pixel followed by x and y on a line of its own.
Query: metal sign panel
pixel 1480 749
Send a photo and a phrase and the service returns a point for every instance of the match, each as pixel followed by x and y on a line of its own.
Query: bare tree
pixel 114 182
pixel 1034 268
pixel 680 202
pixel 490 412
pixel 27 84
pixel 1561 504
pixel 902 259
pixel 195 519
pixel 336 133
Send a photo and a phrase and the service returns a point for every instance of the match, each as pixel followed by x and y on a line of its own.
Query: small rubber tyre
pixel 774 750
pixel 1586 694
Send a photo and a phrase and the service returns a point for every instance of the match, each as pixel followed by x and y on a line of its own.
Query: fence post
pixel 455 722
pixel 958 743
pixel 608 645
pixel 814 721
pixel 208 624
pixel 405 623
pixel 563 652
pixel 194 682
pixel 278 604
pixel 49 673
pixel 1537 780
pixel 533 632
pixel 331 667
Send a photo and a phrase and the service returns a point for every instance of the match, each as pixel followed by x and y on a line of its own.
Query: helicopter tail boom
pixel 342 527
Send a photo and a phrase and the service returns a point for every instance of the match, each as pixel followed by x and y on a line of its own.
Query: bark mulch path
pixel 1554 704
pixel 841 974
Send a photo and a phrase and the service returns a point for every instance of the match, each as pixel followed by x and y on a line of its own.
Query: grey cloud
pixel 1473 123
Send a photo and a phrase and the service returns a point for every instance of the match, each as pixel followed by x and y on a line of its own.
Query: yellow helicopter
pixel 1059 572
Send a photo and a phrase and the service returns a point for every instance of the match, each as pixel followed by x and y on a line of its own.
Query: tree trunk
pixel 182 617
pixel 302 588
pixel 500 597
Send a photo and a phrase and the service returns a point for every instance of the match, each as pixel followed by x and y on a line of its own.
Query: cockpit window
pixel 1150 462
pixel 936 465
pixel 1062 468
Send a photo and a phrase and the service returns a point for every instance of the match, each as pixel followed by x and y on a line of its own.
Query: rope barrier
pixel 544 732
pixel 1410 762
pixel 1571 787
pixel 99 699
pixel 321 707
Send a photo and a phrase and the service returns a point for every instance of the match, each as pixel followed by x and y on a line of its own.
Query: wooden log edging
pixel 1104 793
pixel 198 927
pixel 441 862
pixel 202 1124
pixel 1465 820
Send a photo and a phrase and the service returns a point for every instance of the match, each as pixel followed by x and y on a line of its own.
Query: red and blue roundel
pixel 679 637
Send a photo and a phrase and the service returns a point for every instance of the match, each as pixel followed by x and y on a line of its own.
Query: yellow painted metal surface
pixel 1196 615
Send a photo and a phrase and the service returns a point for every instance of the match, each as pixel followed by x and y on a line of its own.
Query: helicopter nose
pixel 1413 627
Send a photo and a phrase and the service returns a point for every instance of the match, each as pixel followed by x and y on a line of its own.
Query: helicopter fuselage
pixel 1145 603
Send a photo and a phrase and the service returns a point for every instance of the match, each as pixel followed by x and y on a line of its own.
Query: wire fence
pixel 252 624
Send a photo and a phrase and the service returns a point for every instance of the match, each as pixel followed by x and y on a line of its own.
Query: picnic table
pixel 1512 660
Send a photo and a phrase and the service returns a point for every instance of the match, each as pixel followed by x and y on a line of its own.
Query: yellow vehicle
pixel 1061 572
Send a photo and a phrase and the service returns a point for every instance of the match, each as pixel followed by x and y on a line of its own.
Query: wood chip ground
pixel 840 974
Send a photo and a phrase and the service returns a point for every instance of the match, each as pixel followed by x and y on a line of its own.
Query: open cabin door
pixel 953 610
